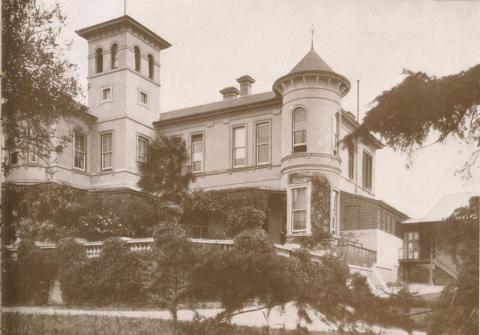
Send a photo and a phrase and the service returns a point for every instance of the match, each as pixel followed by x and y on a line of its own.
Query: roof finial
pixel 313 32
pixel 124 7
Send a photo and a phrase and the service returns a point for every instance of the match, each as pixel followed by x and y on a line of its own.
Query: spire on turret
pixel 313 32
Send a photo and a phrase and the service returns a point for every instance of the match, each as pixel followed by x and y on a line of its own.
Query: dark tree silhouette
pixel 422 105
pixel 38 83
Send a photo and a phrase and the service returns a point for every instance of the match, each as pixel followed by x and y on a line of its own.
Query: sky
pixel 216 41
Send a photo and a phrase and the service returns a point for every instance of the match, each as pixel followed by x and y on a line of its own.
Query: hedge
pixel 34 324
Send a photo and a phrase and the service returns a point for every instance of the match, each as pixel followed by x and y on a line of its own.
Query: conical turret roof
pixel 311 62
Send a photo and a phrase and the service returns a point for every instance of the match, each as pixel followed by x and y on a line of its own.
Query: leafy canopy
pixel 456 312
pixel 38 84
pixel 420 105
pixel 164 173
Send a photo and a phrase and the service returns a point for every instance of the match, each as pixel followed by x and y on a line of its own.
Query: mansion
pixel 282 141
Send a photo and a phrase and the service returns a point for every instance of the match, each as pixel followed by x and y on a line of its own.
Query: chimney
pixel 229 92
pixel 245 85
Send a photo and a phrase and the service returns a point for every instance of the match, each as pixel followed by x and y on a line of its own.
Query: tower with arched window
pixel 311 109
pixel 124 96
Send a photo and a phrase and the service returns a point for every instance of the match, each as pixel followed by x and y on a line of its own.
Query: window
pixel 80 151
pixel 351 161
pixel 262 139
pixel 106 94
pixel 239 153
pixel 334 211
pixel 13 157
pixel 99 60
pixel 197 152
pixel 107 151
pixel 114 56
pixel 32 155
pixel 412 245
pixel 367 170
pixel 299 210
pixel 151 67
pixel 138 60
pixel 143 98
pixel 142 149
pixel 335 134
pixel 300 130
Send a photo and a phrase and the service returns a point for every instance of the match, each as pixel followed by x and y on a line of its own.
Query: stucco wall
pixel 385 244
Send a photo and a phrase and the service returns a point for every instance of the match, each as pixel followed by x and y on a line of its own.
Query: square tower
pixel 123 70
pixel 124 95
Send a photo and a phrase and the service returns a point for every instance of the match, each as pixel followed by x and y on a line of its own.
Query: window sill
pixel 80 171
pixel 106 101
pixel 299 234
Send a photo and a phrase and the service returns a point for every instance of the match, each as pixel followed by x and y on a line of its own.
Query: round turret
pixel 311 94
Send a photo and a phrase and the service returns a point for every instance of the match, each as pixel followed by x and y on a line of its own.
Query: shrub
pixel 117 277
pixel 32 275
pixel 253 240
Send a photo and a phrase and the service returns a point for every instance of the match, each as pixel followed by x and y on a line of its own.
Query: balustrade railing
pixel 353 254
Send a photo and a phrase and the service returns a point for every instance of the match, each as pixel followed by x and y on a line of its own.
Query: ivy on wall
pixel 227 212
pixel 319 201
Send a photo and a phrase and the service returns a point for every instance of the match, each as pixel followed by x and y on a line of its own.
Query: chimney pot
pixel 245 85
pixel 229 93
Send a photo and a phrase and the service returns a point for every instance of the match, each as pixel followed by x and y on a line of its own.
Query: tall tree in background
pixel 39 85
pixel 165 172
pixel 456 312
pixel 423 105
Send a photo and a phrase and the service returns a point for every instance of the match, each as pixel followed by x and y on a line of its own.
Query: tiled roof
pixel 311 62
pixel 445 207
pixel 217 106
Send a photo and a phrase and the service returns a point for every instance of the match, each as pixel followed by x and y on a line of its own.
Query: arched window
pixel 99 60
pixel 114 56
pixel 151 67
pixel 137 59
pixel 299 130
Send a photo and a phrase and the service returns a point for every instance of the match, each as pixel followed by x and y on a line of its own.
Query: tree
pixel 164 173
pixel 456 312
pixel 422 105
pixel 38 84
pixel 175 256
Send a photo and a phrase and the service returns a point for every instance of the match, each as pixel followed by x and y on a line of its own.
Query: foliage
pixel 227 212
pixel 456 312
pixel 38 82
pixel 237 279
pixel 117 277
pixel 253 240
pixel 52 211
pixel 421 104
pixel 320 200
pixel 28 280
pixel 164 172
pixel 175 257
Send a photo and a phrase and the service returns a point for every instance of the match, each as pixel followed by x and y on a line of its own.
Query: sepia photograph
pixel 240 167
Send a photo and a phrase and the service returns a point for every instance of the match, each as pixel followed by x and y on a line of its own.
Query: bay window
pixel 299 210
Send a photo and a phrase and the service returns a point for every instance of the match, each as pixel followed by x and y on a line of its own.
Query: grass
pixel 36 324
